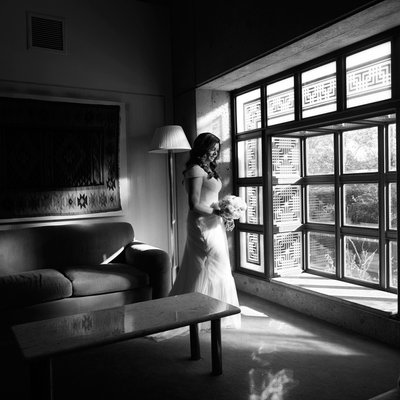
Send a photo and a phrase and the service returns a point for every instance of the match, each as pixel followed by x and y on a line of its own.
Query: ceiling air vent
pixel 46 33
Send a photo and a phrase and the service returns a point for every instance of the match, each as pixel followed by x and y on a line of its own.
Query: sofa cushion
pixel 33 287
pixel 105 278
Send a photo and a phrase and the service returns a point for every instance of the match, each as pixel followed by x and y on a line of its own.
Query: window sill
pixel 370 299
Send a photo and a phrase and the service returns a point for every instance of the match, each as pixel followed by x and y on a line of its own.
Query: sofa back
pixel 50 246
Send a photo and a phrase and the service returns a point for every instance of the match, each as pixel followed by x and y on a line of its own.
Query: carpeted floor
pixel 276 355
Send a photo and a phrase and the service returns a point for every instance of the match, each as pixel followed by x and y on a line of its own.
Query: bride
pixel 205 266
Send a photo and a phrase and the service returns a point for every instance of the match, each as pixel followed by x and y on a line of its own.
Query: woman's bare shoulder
pixel 195 171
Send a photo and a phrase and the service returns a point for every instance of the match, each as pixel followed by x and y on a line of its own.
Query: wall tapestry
pixel 58 158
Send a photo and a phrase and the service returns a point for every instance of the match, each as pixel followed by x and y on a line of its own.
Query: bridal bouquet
pixel 231 207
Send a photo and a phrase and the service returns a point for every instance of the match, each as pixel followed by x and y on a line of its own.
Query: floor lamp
pixel 171 139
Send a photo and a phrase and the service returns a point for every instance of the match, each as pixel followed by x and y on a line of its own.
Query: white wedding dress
pixel 205 266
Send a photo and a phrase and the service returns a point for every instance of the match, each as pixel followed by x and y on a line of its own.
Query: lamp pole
pixel 171 139
pixel 172 213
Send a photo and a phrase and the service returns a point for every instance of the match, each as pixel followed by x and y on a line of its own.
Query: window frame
pixel 342 115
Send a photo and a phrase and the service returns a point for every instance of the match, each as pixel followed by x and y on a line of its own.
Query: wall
pixel 116 51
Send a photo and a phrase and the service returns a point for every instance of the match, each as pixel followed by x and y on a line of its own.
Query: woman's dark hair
pixel 201 145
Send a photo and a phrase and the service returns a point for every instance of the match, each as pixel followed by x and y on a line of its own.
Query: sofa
pixel 393 394
pixel 54 270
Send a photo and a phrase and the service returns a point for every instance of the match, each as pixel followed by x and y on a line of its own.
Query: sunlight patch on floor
pixel 250 312
pixel 303 345
pixel 273 335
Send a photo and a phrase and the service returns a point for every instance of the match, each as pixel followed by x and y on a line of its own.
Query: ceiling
pixel 367 23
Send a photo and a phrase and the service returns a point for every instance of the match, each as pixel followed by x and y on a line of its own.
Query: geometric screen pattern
pixel 249 158
pixel 285 157
pixel 287 252
pixel 318 94
pixel 286 204
pixel 252 161
pixel 253 248
pixel 280 105
pixel 252 114
pixel 252 251
pixel 253 198
pixel 369 80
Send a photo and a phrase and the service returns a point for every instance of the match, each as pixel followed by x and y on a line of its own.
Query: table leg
pixel 41 376
pixel 194 342
pixel 216 350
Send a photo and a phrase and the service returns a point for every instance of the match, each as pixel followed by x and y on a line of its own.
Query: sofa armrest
pixel 393 394
pixel 153 261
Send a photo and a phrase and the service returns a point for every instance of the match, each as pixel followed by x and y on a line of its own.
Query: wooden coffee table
pixel 41 341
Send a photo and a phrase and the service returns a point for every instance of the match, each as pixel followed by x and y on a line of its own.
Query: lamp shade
pixel 169 138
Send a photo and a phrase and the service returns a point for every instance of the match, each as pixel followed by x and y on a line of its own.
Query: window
pixel 320 155
pixel 320 176
pixel 360 150
pixel 321 204
pixel 321 252
pixel 249 171
pixel 319 90
pixel 253 197
pixel 249 158
pixel 280 101
pixel 248 111
pixel 368 75
pixel 252 251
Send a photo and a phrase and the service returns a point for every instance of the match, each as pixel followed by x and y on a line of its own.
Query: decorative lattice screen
pixel 252 114
pixel 252 251
pixel 287 204
pixel 319 90
pixel 280 106
pixel 287 253
pixel 252 196
pixel 285 157
pixel 251 152
pixel 369 75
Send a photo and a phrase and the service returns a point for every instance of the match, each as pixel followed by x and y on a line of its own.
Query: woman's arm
pixel 194 191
